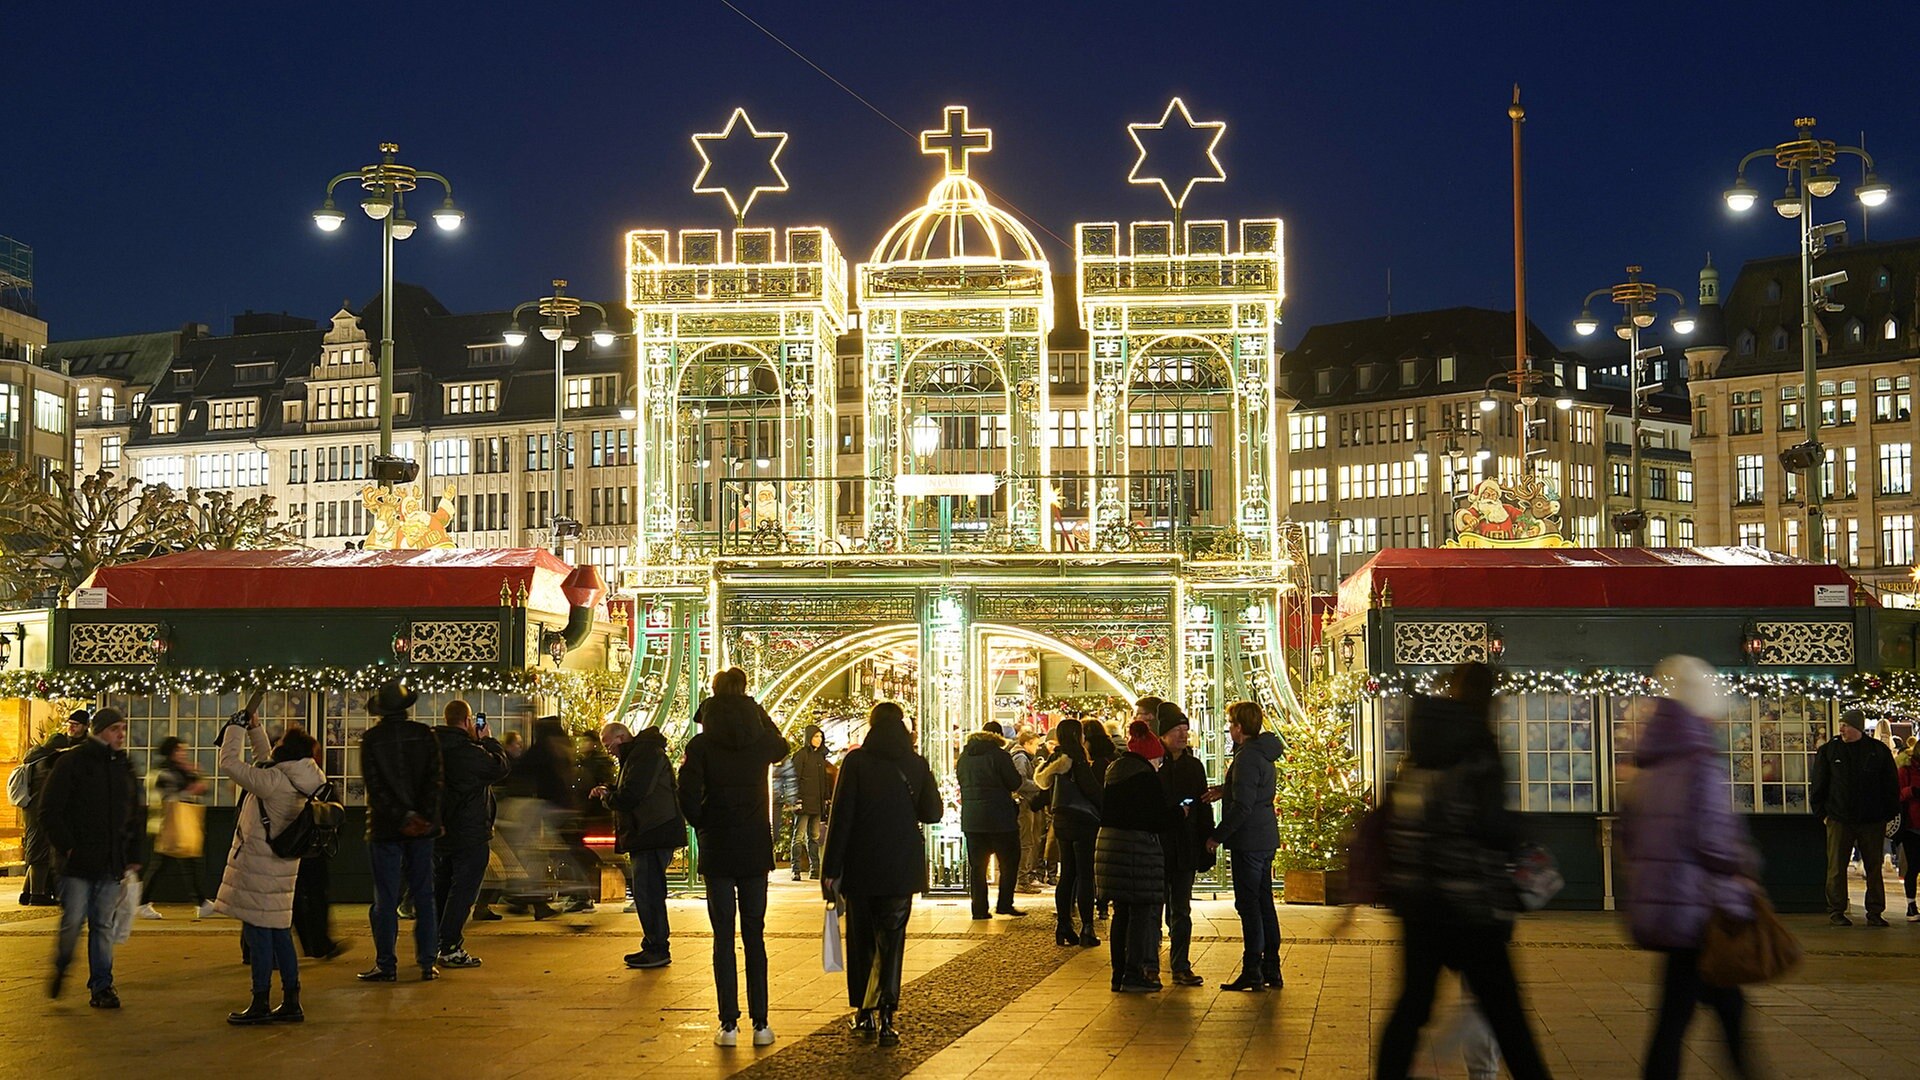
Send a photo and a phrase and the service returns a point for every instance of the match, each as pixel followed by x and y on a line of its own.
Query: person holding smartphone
pixel 471 763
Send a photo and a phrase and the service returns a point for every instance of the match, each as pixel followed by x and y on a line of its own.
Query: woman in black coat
pixel 1076 792
pixel 1101 754
pixel 876 859
pixel 1129 865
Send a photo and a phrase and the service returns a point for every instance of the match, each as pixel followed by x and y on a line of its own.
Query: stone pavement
pixel 996 1001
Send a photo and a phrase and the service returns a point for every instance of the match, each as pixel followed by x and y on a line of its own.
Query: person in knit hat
pixel 1129 865
pixel 1184 780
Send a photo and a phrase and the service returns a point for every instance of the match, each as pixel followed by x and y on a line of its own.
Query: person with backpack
pixel 40 886
pixel 400 759
pixel 1076 791
pixel 876 860
pixel 471 762
pixel 647 828
pixel 1448 840
pixel 257 887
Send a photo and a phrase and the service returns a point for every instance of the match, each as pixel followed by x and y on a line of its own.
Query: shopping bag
pixel 832 956
pixel 1738 951
pixel 122 927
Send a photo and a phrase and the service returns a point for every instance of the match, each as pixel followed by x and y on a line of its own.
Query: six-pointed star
pixel 1170 141
pixel 739 146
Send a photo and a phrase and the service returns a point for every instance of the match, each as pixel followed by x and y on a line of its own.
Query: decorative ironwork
pixel 1440 642
pixel 454 642
pixel 116 644
pixel 798 612
pixel 1804 643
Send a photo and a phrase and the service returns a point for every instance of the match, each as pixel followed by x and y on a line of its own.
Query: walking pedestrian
pixel 990 817
pixel 876 859
pixel 1909 837
pixel 90 809
pixel 1249 830
pixel 1449 837
pixel 178 826
pixel 472 761
pixel 1184 780
pixel 536 811
pixel 1077 792
pixel 812 788
pixel 723 794
pixel 1687 856
pixel 1129 861
pixel 258 885
pixel 40 885
pixel 1856 791
pixel 400 759
pixel 648 829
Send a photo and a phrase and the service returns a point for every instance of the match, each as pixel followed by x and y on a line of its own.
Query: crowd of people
pixel 1121 823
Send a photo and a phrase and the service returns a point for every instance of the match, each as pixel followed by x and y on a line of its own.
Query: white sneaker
pixel 763 1036
pixel 728 1035
pixel 205 910
pixel 148 911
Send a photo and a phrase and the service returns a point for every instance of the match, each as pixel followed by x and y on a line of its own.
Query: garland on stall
pixel 1896 692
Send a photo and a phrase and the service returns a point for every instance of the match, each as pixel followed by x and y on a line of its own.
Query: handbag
pixel 1536 876
pixel 833 956
pixel 182 830
pixel 1895 826
pixel 1069 799
pixel 1738 951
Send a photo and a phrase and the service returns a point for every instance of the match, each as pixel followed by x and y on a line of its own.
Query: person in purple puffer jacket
pixel 1688 856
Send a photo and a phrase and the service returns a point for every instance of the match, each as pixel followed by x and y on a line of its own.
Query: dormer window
pixel 1409 372
pixel 234 414
pixel 163 420
pixel 1744 343
pixel 1890 330
pixel 1856 334
pixel 1779 343
pixel 252 374
pixel 183 378
pixel 1368 373
pixel 1447 369
pixel 1882 280
pixel 1323 381
pixel 1773 290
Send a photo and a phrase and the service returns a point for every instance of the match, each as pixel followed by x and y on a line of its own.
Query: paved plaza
pixel 995 1001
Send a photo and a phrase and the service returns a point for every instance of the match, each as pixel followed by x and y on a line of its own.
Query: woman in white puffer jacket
pixel 257 887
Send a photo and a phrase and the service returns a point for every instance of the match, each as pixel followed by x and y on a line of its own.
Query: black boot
pixel 1250 979
pixel 1270 972
pixel 256 1013
pixel 1063 935
pixel 888 1036
pixel 861 1026
pixel 289 1011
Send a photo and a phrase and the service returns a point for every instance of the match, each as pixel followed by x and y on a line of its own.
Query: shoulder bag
pixel 1738 951
pixel 313 832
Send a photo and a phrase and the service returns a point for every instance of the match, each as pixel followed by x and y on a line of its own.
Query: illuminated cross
pixel 956 140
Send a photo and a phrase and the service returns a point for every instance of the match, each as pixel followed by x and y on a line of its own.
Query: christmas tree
pixel 1320 794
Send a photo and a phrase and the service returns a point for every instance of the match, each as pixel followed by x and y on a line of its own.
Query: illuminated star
pixel 743 150
pixel 1174 141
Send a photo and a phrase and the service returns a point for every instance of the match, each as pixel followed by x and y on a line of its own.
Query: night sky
pixel 164 159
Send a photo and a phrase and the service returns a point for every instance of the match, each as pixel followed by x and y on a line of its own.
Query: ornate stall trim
pixel 110 644
pixel 455 642
pixel 1793 643
pixel 1439 642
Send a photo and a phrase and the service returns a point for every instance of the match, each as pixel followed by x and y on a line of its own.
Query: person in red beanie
pixel 1129 865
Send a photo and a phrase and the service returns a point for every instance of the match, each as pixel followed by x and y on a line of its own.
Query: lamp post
pixel 1451 437
pixel 1525 384
pixel 1806 161
pixel 557 314
pixel 386 184
pixel 1636 299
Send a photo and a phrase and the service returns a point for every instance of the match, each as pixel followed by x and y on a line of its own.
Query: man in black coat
pixel 471 763
pixel 812 789
pixel 400 759
pixel 723 793
pixel 40 885
pixel 94 822
pixel 1184 779
pixel 990 817
pixel 1856 791
pixel 647 828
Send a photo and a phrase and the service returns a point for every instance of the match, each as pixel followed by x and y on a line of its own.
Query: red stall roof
pixel 1736 577
pixel 444 577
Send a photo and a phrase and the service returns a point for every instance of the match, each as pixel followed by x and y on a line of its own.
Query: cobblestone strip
pixel 935 1010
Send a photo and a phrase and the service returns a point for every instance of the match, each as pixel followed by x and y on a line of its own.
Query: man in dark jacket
pixel 647 828
pixel 40 885
pixel 990 817
pixel 1856 791
pixel 1250 831
pixel 400 759
pixel 1184 779
pixel 471 764
pixel 812 789
pixel 91 812
pixel 723 793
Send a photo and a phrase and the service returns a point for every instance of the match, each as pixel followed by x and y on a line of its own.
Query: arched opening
pixel 1182 427
pixel 955 418
pixel 732 441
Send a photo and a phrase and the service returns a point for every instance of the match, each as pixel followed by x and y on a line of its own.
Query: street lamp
pixel 558 312
pixel 1807 162
pixel 386 184
pixel 1636 299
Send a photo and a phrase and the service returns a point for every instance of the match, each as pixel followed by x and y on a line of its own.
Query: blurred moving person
pixel 876 858
pixel 648 829
pixel 723 794
pixel 180 829
pixel 1449 838
pixel 990 817
pixel 536 816
pixel 472 762
pixel 1250 831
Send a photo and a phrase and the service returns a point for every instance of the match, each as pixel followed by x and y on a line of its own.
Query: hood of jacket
pixel 1266 744
pixel 732 720
pixel 1443 732
pixel 806 738
pixel 1129 765
pixel 981 742
pixel 1672 732
pixel 648 740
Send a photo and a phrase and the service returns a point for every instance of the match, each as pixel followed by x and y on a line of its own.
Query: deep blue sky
pixel 163 159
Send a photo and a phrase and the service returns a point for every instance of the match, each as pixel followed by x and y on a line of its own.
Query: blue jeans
pixel 647 876
pixel 394 861
pixel 91 902
pixel 1253 901
pixel 458 870
pixel 748 896
pixel 269 948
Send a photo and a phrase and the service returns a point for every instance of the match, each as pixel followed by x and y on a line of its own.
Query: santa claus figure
pixel 1489 514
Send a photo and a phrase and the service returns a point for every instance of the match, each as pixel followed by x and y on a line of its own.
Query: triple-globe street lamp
pixel 1808 164
pixel 557 314
pixel 385 184
pixel 1637 301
